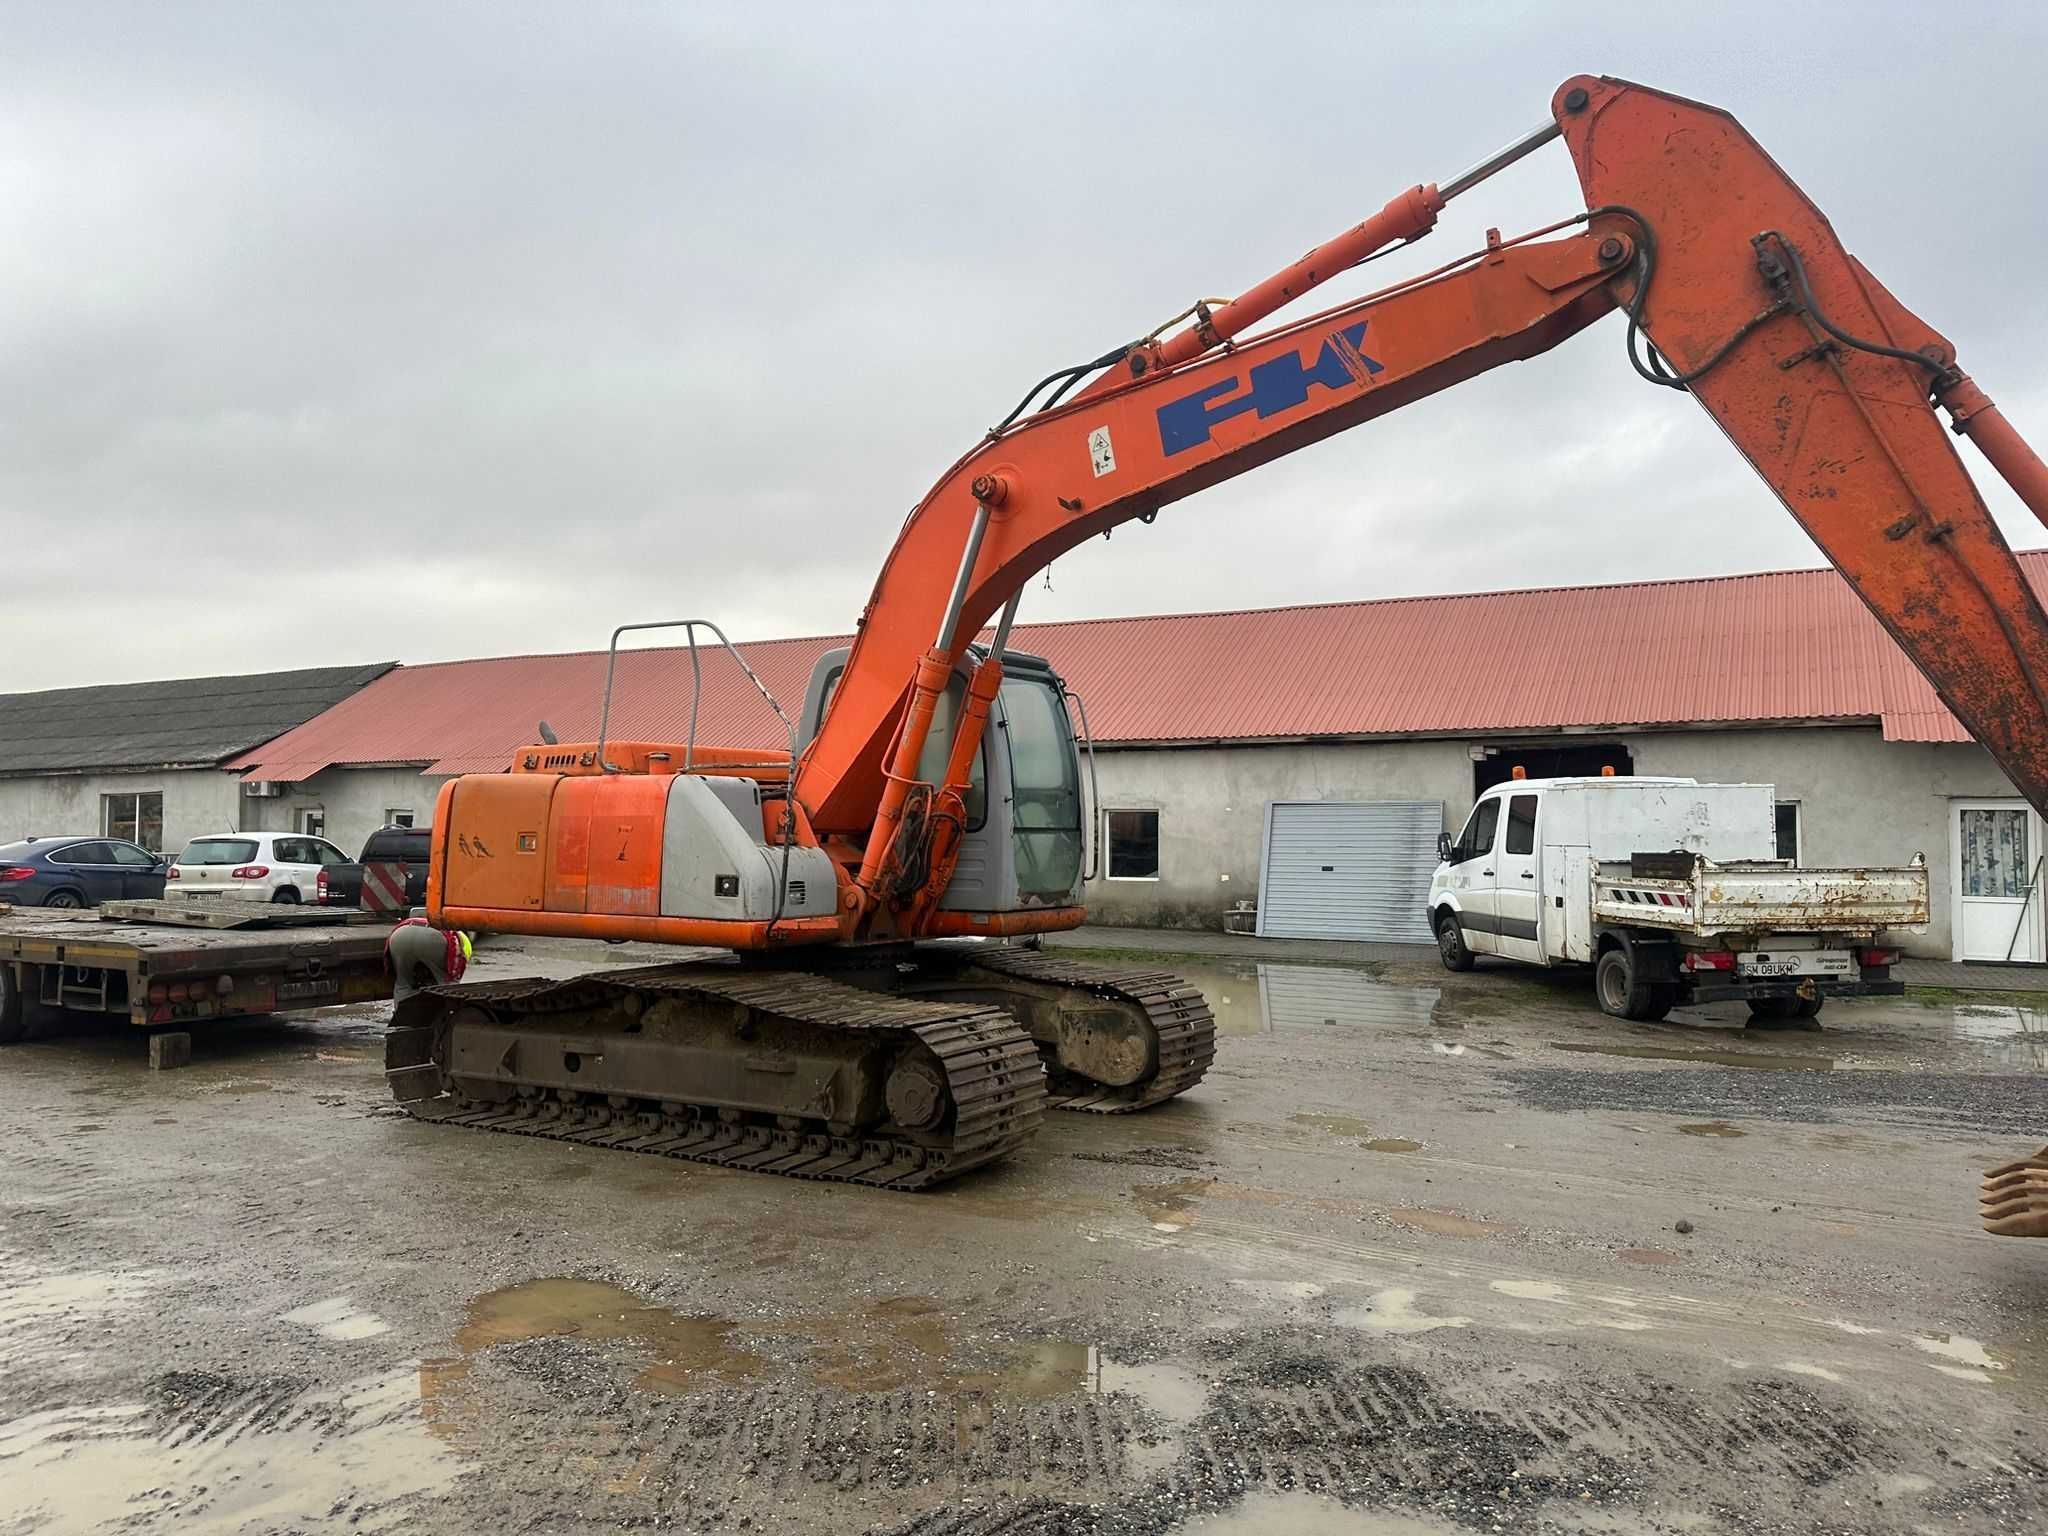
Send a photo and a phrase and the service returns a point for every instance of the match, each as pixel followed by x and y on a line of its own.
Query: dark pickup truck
pixel 406 848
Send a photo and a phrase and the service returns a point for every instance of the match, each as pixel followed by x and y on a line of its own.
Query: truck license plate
pixel 1796 962
pixel 299 991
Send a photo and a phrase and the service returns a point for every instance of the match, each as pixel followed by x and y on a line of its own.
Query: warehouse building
pixel 142 761
pixel 1303 760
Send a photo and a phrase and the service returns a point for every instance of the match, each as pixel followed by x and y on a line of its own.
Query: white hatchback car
pixel 257 866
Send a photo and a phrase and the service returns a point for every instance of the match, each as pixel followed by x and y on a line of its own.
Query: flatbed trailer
pixel 169 965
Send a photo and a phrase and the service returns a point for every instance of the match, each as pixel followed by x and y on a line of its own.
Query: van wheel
pixel 1624 995
pixel 1774 1010
pixel 1450 942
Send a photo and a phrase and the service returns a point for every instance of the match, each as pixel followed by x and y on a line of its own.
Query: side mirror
pixel 1443 847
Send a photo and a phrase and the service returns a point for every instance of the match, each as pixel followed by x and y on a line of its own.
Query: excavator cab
pixel 1025 843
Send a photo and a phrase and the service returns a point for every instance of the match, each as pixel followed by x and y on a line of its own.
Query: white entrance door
pixel 1997 880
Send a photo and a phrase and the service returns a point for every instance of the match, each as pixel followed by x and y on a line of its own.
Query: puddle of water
pixel 897 1343
pixel 1394 1311
pixel 1170 1207
pixel 30 1301
pixel 1336 1125
pixel 683 1351
pixel 1711 1128
pixel 1963 1351
pixel 1169 1391
pixel 2015 1038
pixel 338 1318
pixel 1646 1256
pixel 1267 998
pixel 1443 1223
pixel 1760 1061
pixel 1530 1290
pixel 1307 1514
pixel 1393 1144
pixel 356 1459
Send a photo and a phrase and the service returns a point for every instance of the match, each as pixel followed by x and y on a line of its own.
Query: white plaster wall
pixel 196 801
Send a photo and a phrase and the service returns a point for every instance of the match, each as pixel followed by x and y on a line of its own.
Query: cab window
pixel 1522 824
pixel 1477 838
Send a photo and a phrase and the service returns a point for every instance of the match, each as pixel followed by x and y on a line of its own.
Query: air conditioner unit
pixel 263 789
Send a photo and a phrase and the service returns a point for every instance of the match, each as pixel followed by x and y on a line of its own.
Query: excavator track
pixel 1177 1011
pixel 992 1099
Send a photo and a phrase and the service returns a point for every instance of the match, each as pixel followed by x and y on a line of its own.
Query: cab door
pixel 1518 886
pixel 1472 876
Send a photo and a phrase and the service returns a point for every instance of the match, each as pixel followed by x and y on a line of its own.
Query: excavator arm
pixel 1734 288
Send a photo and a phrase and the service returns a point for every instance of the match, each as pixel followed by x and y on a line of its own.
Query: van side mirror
pixel 1443 847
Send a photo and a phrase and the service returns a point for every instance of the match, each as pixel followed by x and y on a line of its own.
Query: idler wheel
pixel 917 1094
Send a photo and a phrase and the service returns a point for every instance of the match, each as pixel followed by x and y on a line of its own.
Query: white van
pixel 1671 890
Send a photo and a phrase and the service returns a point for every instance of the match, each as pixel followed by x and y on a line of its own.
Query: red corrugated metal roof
pixel 1785 645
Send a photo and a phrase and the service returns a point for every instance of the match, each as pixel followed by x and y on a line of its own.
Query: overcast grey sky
pixel 340 333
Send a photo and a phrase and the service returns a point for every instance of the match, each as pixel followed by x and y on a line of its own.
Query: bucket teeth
pixel 2013 1201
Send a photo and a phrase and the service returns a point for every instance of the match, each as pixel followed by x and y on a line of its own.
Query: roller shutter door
pixel 1348 869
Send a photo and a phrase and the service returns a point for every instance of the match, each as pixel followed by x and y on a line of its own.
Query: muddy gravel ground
pixel 1423 1254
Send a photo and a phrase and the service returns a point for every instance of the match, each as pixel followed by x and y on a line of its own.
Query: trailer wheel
pixel 21 1013
pixel 1625 995
pixel 13 1012
pixel 1450 942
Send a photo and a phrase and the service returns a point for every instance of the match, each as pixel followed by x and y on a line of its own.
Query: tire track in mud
pixel 1282 1413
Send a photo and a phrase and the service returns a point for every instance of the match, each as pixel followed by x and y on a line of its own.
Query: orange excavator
pixel 931 789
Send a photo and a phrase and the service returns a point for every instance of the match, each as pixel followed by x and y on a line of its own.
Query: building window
pixel 1788 831
pixel 1133 841
pixel 398 818
pixel 313 821
pixel 137 818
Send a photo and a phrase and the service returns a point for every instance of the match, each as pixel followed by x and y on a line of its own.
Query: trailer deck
pixel 166 964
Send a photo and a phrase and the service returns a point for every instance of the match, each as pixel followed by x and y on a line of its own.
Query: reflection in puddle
pixel 1758 1060
pixel 1336 1125
pixel 1170 1207
pixel 1394 1311
pixel 1266 998
pixel 1393 1144
pixel 355 1459
pixel 1307 1514
pixel 2013 1037
pixel 889 1345
pixel 1443 1223
pixel 683 1351
pixel 1972 1359
pixel 1712 1128
pixel 338 1318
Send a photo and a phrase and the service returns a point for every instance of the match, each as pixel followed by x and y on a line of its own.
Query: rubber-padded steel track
pixel 992 1068
pixel 1187 1029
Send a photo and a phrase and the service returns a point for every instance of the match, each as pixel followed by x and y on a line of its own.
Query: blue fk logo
pixel 1276 386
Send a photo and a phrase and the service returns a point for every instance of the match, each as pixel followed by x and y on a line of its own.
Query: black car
pixel 341 885
pixel 78 872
